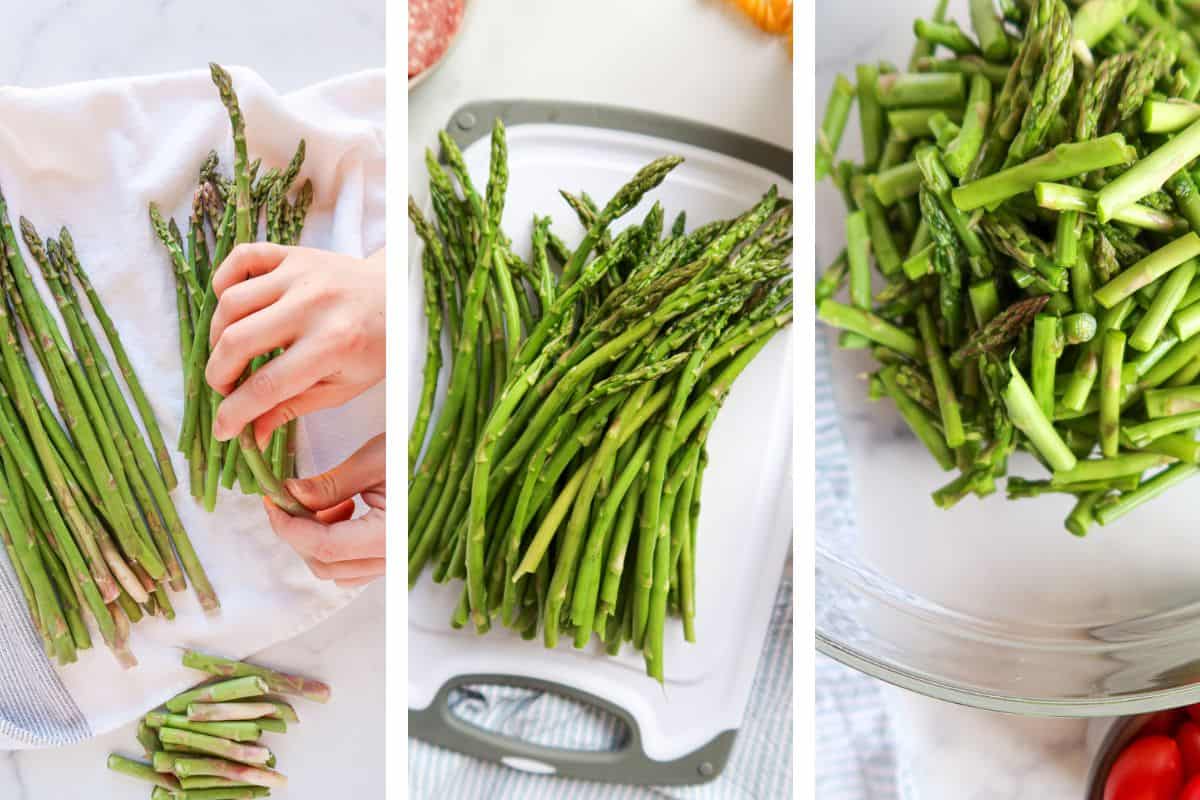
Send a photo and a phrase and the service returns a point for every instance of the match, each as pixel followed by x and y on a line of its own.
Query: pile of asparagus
pixel 205 744
pixel 227 212
pixel 86 515
pixel 1027 198
pixel 562 475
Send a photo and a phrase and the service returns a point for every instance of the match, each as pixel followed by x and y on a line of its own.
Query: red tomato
pixel 1194 711
pixel 1162 724
pixel 1192 790
pixel 1188 738
pixel 1151 768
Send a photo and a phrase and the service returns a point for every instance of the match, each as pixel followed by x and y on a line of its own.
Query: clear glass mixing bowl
pixel 992 604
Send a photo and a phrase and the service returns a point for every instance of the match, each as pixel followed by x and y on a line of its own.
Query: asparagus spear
pixel 238 688
pixel 257 776
pixel 1064 161
pixel 144 772
pixel 961 153
pixel 234 731
pixel 221 712
pixel 267 482
pixel 145 410
pixel 1149 174
pixel 837 110
pixel 275 681
pixel 1111 362
pixel 1029 419
pixel 871 119
pixel 1149 269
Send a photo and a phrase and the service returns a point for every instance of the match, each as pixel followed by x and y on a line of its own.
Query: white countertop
pixel 290 44
pixel 338 749
pixel 702 61
pixel 947 748
pixel 950 751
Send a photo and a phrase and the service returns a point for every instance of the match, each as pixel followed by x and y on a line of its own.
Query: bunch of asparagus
pixel 86 515
pixel 227 212
pixel 205 744
pixel 562 476
pixel 1027 198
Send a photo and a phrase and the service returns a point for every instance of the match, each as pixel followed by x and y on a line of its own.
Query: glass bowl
pixel 992 603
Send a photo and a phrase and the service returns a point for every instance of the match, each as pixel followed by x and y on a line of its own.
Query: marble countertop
pixel 290 44
pixel 953 752
pixel 338 749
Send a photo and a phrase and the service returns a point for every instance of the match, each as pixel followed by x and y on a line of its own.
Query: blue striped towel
pixel 35 707
pixel 760 767
pixel 856 755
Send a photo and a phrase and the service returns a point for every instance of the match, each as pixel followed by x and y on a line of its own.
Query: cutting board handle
pixel 439 725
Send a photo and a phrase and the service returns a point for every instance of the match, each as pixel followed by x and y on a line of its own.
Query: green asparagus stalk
pixel 1060 197
pixel 1149 174
pixel 253 755
pixel 1110 510
pixel 1063 161
pixel 1111 363
pixel 837 110
pixel 870 115
pixel 144 772
pixel 1149 269
pixel 223 712
pixel 281 682
pixel 961 153
pixel 254 775
pixel 239 688
pixel 1172 401
pixel 920 89
pixel 948 405
pixel 989 29
pixel 1027 416
pixel 234 731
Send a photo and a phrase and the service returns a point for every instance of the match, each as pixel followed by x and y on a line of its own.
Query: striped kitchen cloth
pixel 34 703
pixel 760 767
pixel 856 756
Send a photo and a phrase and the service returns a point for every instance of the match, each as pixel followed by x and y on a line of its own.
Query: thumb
pixel 365 468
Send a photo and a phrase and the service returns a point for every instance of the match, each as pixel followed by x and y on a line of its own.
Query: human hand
pixel 326 310
pixel 349 552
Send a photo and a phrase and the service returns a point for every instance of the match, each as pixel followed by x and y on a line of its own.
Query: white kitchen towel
pixel 759 768
pixel 92 156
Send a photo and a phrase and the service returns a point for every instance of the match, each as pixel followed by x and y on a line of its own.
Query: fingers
pixel 274 383
pixel 360 471
pixel 349 541
pixel 243 299
pixel 248 261
pixel 321 396
pixel 247 338
pixel 345 571
pixel 354 584
pixel 339 513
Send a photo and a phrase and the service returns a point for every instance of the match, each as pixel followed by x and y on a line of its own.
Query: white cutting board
pixel 746 517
